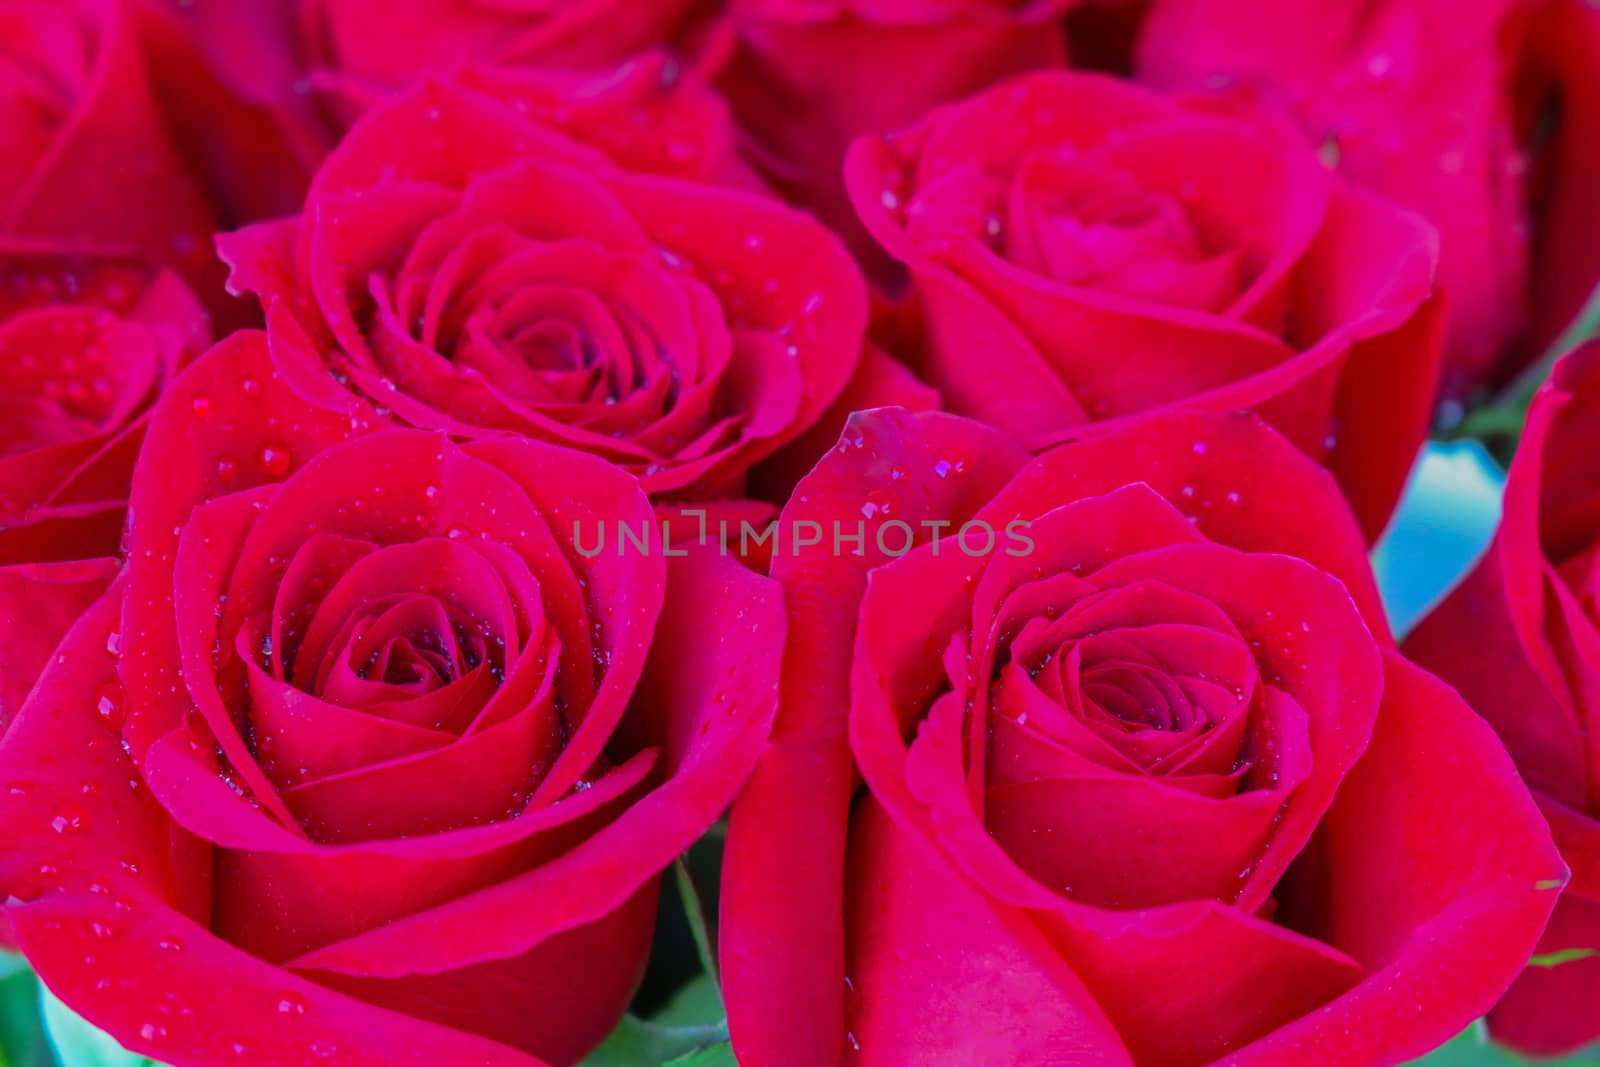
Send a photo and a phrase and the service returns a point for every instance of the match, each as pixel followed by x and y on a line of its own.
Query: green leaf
pixel 696 916
pixel 1500 423
pixel 22 1040
pixel 696 1004
pixel 716 1056
pixel 78 1043
pixel 1471 1049
pixel 1583 326
pixel 1566 955
pixel 12 964
pixel 640 1042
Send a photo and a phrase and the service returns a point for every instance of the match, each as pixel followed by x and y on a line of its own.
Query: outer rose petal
pixel 648 116
pixel 1566 486
pixel 1507 674
pixel 39 602
pixel 379 42
pixel 782 935
pixel 1493 637
pixel 938 974
pixel 1432 870
pixel 1518 645
pixel 111 177
pixel 228 423
pixel 1544 1010
pixel 216 69
pixel 1242 485
pixel 123 898
pixel 808 78
pixel 1551 1009
pixel 1564 48
pixel 879 381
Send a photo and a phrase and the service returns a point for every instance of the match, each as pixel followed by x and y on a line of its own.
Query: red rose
pixel 1519 639
pixel 382 43
pixel 398 766
pixel 1448 108
pixel 87 158
pixel 809 76
pixel 86 344
pixel 261 91
pixel 1147 780
pixel 1557 101
pixel 476 271
pixel 1087 250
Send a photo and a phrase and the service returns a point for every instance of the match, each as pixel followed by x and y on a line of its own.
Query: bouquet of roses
pixel 799 532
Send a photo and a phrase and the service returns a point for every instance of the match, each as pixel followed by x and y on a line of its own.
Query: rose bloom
pixel 1485 117
pixel 380 44
pixel 1519 639
pixel 807 76
pixel 87 159
pixel 259 92
pixel 360 759
pixel 86 345
pixel 465 264
pixel 1156 788
pixel 1085 250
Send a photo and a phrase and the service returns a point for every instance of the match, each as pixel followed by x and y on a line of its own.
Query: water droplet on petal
pixel 879 504
pixel 108 704
pixel 275 460
pixel 69 819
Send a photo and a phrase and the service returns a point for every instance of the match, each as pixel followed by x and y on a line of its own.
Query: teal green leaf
pixel 78 1043
pixel 1473 1048
pixel 22 1040
pixel 697 1004
pixel 716 1056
